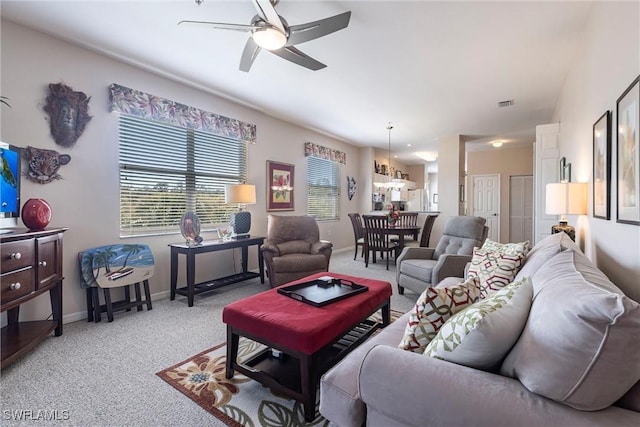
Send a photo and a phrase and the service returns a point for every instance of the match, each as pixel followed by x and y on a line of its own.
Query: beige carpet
pixel 239 401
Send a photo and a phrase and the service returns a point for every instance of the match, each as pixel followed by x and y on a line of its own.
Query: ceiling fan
pixel 270 31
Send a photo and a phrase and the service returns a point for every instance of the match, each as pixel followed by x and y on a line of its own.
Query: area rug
pixel 238 401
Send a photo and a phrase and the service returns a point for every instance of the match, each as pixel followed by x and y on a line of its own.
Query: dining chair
pixel 358 233
pixel 425 234
pixel 376 228
pixel 408 219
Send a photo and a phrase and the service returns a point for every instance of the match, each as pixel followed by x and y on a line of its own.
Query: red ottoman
pixel 312 339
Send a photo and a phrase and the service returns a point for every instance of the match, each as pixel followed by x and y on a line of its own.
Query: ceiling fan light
pixel 269 38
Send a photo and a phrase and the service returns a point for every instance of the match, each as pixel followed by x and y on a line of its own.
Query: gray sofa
pixel 580 348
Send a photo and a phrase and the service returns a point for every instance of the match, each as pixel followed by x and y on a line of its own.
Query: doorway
pixel 486 202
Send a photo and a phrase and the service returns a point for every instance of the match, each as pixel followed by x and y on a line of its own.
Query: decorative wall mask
pixel 351 186
pixel 44 164
pixel 68 113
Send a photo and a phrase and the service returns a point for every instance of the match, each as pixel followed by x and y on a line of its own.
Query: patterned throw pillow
pixel 433 308
pixel 496 264
pixel 506 248
pixel 481 335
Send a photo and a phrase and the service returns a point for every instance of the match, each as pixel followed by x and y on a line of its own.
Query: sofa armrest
pixel 435 392
pixel 449 265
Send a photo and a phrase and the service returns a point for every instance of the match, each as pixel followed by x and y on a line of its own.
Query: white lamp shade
pixel 240 193
pixel 269 38
pixel 566 198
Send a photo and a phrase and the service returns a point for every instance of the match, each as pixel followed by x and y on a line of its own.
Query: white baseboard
pixel 82 315
pixel 348 249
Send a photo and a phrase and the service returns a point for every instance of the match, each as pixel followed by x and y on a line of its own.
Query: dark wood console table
pixel 31 265
pixel 216 245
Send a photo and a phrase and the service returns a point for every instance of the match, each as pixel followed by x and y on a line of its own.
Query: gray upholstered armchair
pixel 419 268
pixel 293 249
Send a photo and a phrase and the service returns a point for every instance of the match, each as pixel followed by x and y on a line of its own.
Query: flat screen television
pixel 9 187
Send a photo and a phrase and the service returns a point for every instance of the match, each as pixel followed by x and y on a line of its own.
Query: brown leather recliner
pixel 293 249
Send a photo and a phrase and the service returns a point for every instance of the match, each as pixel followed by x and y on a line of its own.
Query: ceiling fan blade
pixel 251 50
pixel 312 30
pixel 268 12
pixel 219 25
pixel 294 55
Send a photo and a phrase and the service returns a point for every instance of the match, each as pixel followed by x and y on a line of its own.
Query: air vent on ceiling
pixel 507 103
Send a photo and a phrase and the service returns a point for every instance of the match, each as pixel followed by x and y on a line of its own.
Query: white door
pixel 486 202
pixel 521 208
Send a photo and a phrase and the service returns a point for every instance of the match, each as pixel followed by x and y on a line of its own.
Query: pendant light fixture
pixel 391 182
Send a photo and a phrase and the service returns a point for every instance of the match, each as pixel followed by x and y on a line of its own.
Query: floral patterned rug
pixel 238 401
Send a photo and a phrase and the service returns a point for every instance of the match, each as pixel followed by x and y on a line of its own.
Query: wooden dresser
pixel 31 264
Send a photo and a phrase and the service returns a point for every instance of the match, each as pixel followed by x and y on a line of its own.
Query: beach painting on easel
pixel 117 265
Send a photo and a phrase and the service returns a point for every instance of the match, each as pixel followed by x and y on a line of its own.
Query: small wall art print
pixel 280 181
pixel 68 113
pixel 628 147
pixel 351 187
pixel 43 165
pixel 602 167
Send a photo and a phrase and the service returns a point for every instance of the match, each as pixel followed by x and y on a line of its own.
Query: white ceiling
pixel 431 68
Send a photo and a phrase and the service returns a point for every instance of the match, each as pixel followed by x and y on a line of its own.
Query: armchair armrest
pixel 443 393
pixel 416 253
pixel 271 248
pixel 449 265
pixel 321 246
pixel 412 253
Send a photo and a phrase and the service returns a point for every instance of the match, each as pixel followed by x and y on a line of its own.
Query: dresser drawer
pixel 16 284
pixel 16 255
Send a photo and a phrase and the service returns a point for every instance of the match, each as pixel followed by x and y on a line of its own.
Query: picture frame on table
pixel 602 167
pixel 628 154
pixel 280 185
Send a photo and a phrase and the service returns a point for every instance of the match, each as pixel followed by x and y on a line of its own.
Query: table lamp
pixel 566 198
pixel 242 194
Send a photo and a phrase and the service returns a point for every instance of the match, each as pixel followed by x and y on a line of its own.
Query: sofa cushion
pixel 543 251
pixel 506 248
pixel 581 343
pixel 482 334
pixel 495 269
pixel 434 307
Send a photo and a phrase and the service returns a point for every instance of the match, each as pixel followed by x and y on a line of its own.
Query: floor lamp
pixel 242 194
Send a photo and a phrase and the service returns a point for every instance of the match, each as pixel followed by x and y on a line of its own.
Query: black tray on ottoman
pixel 322 291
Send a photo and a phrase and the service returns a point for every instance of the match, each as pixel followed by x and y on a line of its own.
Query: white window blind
pixel 323 189
pixel 166 170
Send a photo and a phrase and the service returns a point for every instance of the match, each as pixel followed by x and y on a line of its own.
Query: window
pixel 166 170
pixel 323 191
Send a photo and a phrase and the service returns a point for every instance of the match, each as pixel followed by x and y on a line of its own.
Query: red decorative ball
pixel 36 214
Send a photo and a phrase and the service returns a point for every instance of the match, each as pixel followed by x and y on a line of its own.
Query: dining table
pixel 401 231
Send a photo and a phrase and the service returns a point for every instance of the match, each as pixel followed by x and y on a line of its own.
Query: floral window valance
pixel 315 150
pixel 143 105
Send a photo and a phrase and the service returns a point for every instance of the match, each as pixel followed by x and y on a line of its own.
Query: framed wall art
pixel 280 180
pixel 628 147
pixel 602 167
